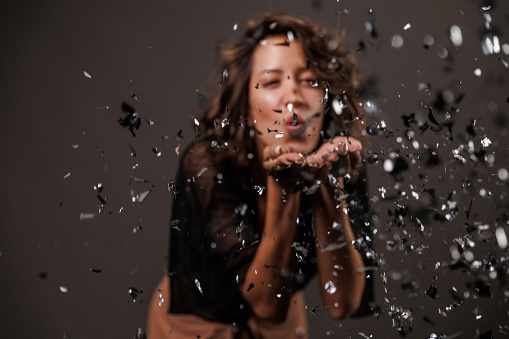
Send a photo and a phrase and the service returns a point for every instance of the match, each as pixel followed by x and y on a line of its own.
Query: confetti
pixel 198 286
pixel 490 44
pixel 501 235
pixel 429 40
pixel 456 36
pixel 136 96
pixel 432 291
pixel 87 75
pixel 503 174
pixel 485 142
pixel 330 287
pixel 397 41
pixel 87 216
pixel 337 106
pixel 134 293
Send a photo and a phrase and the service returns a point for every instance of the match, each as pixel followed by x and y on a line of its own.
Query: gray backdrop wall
pixel 69 257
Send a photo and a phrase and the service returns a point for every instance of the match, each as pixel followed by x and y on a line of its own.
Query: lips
pixel 295 127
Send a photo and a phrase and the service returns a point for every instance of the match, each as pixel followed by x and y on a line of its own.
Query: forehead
pixel 277 51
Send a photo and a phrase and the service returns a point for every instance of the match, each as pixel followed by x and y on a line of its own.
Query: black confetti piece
pixel 134 293
pixel 101 199
pixel 285 43
pixel 467 212
pixel 295 118
pixel 372 130
pixel 431 117
pixel 432 291
pixel 132 121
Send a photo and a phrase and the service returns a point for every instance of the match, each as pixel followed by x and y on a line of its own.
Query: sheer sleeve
pixel 213 238
pixel 360 219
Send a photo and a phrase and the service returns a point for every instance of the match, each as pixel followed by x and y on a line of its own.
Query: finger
pixel 314 160
pixel 353 144
pixel 275 150
pixel 355 159
pixel 283 161
pixel 343 145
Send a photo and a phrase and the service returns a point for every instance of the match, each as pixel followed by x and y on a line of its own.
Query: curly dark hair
pixel 225 117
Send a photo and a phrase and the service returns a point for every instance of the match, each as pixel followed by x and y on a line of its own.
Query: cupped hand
pixel 279 157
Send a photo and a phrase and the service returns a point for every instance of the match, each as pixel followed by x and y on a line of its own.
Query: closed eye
pixel 311 82
pixel 271 83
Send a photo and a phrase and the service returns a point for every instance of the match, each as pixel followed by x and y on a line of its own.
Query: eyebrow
pixel 267 71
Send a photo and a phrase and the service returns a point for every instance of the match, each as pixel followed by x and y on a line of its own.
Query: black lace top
pixel 215 231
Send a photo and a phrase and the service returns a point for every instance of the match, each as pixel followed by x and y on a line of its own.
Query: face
pixel 285 97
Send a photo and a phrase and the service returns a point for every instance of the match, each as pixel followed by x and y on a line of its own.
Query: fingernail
pixel 277 150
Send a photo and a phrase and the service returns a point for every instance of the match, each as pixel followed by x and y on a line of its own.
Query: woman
pixel 260 196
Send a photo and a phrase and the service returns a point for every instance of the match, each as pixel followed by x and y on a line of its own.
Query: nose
pixel 293 95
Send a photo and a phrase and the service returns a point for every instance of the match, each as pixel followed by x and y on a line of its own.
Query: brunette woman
pixel 260 202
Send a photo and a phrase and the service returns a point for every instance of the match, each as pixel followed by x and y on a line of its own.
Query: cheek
pixel 318 123
pixel 261 110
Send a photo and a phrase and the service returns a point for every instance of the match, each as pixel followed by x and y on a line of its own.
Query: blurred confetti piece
pixel 456 36
pixel 63 289
pixel 501 236
pixel 397 41
pixel 87 75
pixel 87 216
pixel 134 179
pixel 136 96
pixel 503 174
pixel 68 174
pixel 490 44
pixel 429 40
pixel 407 26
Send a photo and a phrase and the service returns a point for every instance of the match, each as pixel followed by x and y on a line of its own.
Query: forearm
pixel 340 265
pixel 267 286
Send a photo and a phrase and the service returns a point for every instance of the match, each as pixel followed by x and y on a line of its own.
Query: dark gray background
pixel 164 52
